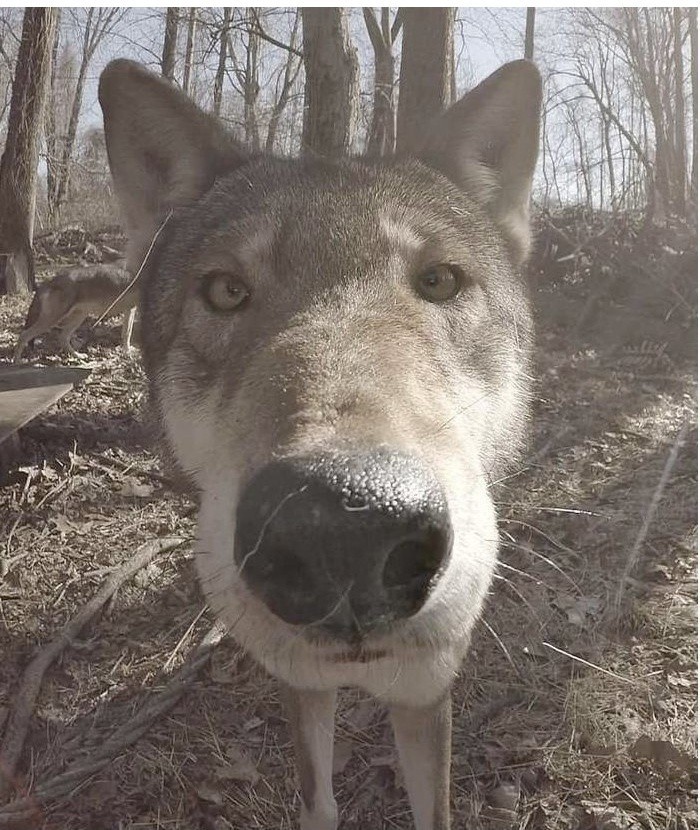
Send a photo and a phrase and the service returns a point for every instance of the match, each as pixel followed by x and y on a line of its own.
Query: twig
pixel 587 663
pixel 109 465
pixel 25 698
pixel 138 273
pixel 182 640
pixel 64 784
pixel 503 648
pixel 652 507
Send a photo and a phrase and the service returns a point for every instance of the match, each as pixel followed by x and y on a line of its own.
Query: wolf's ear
pixel 487 144
pixel 163 150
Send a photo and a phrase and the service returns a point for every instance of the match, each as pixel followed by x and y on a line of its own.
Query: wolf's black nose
pixel 344 543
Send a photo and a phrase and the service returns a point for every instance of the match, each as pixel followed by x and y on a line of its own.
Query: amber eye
pixel 440 283
pixel 224 291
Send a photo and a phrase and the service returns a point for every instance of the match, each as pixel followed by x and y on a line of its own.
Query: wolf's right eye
pixel 224 291
pixel 440 283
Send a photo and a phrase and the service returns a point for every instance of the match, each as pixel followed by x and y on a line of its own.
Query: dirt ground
pixel 577 705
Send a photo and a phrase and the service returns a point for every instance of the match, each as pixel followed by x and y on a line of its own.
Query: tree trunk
pixel 18 167
pixel 694 87
pixel 67 155
pixel 331 90
pixel 651 86
pixel 167 61
pixel 424 86
pixel 98 24
pixel 382 132
pixel 679 112
pixel 52 172
pixel 610 161
pixel 530 33
pixel 251 89
pixel 223 54
pixel 189 50
pixel 291 72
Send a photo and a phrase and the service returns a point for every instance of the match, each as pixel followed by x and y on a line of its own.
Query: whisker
pixel 503 648
pixel 266 524
pixel 545 559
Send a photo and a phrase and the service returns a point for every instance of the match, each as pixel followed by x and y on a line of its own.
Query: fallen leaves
pixel 662 753
pixel 239 767
pixel 578 609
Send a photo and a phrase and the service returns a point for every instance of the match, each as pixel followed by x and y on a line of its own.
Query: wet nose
pixel 345 543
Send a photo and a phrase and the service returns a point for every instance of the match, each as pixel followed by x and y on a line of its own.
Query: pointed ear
pixel 163 150
pixel 487 144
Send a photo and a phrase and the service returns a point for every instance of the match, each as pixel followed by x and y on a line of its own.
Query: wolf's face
pixel 337 353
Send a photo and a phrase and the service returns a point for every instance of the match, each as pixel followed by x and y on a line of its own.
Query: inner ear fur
pixel 163 150
pixel 487 144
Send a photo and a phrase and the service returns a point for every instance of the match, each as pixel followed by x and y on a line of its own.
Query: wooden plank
pixel 26 391
pixel 13 376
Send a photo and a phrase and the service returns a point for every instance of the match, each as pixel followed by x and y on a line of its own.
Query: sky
pixel 479 45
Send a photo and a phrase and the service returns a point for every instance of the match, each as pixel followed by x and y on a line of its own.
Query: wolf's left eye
pixel 440 283
pixel 224 291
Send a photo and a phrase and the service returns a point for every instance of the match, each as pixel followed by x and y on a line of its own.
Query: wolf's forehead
pixel 350 229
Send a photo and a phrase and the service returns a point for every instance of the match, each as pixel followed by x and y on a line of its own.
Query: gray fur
pixel 335 350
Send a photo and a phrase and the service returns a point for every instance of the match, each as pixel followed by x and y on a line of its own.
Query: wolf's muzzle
pixel 343 543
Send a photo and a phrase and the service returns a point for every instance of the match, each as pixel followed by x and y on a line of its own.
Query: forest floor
pixel 577 705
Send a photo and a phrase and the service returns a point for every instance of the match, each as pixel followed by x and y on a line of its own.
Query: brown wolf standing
pixel 73 295
pixel 338 355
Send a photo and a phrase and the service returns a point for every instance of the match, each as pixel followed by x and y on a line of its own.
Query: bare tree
pixel 167 61
pixel 223 54
pixel 18 167
pixel 382 34
pixel 693 26
pixel 629 63
pixel 51 137
pixel 530 33
pixel 331 89
pixel 99 22
pixel 246 72
pixel 189 49
pixel 426 68
pixel 292 67
pixel 7 60
pixel 679 194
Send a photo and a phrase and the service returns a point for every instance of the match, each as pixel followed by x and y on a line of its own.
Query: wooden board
pixel 26 391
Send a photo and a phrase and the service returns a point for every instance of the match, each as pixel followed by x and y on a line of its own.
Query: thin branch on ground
pixel 64 784
pixel 652 507
pixel 28 691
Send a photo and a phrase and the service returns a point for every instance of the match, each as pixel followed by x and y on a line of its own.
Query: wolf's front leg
pixel 424 741
pixel 127 330
pixel 312 721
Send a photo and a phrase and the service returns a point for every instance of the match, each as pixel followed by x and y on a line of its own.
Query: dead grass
pixel 542 740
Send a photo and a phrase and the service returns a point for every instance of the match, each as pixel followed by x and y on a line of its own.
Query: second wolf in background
pixel 73 295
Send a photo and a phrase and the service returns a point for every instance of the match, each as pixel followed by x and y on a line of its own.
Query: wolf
pixel 338 356
pixel 73 295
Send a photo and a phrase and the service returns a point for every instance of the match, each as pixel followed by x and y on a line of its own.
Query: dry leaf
pixel 595 820
pixel 63 525
pixel 578 608
pixel 241 770
pixel 148 575
pixel 132 487
pixel 662 753
pixel 497 818
pixel 505 796
pixel 210 793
